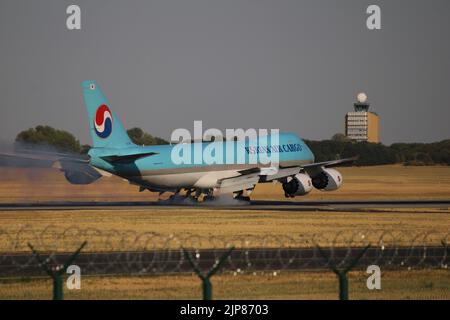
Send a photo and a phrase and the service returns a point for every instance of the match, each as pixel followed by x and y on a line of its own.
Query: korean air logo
pixel 103 121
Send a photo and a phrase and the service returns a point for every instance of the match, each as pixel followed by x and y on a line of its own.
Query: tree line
pixel 339 146
pixel 416 154
pixel 49 138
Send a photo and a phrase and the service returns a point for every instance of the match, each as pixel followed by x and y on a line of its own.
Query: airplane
pixel 152 168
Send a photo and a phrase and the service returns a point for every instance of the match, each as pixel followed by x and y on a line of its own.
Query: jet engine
pixel 327 180
pixel 299 185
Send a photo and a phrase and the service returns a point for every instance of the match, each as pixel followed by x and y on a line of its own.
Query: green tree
pixel 369 153
pixel 425 153
pixel 139 137
pixel 340 137
pixel 46 136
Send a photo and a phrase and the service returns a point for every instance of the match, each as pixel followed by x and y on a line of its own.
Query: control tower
pixel 362 124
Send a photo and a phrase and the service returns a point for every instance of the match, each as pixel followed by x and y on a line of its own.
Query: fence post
pixel 206 282
pixel 57 272
pixel 342 274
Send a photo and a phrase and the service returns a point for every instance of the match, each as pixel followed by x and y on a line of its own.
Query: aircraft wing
pixel 331 163
pixel 248 178
pixel 314 168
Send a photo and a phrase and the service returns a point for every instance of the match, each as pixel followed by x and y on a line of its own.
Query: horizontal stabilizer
pixel 77 171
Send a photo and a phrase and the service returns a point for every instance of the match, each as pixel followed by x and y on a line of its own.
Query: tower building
pixel 362 124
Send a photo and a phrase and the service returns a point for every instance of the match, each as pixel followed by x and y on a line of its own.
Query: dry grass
pixel 227 224
pixel 421 284
pixel 379 182
pixel 40 185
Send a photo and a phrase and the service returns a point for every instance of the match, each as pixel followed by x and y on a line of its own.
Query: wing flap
pixel 278 173
pixel 238 183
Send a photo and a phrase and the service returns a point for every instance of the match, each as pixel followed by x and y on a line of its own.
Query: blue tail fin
pixel 105 128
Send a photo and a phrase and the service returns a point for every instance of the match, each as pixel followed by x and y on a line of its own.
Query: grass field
pixel 416 284
pixel 379 182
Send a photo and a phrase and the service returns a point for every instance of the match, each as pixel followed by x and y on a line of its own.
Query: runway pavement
pixel 230 204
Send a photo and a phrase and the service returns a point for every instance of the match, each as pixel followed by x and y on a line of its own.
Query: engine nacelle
pixel 327 180
pixel 299 185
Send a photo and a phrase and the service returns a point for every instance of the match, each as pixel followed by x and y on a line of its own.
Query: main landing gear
pixel 194 195
pixel 241 196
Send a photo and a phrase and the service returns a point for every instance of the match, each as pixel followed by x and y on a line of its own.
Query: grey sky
pixel 294 65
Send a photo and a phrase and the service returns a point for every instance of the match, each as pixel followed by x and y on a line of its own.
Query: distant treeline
pixel 378 154
pixel 51 139
pixel 339 146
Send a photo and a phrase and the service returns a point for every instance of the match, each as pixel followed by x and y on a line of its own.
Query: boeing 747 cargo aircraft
pixel 153 167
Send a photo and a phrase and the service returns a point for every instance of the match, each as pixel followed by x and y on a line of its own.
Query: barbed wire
pixel 144 253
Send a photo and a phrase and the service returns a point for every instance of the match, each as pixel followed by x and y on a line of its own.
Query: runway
pixel 155 262
pixel 275 205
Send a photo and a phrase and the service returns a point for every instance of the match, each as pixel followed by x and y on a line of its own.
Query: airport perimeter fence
pixel 28 252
